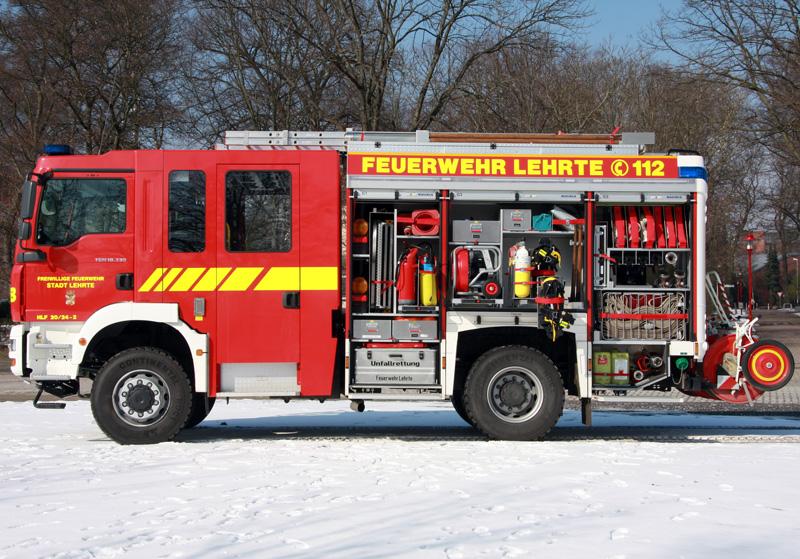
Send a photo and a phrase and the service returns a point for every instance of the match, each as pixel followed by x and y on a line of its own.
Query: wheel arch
pixel 472 344
pixel 123 326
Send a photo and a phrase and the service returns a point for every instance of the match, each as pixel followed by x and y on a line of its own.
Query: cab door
pixel 258 259
pixel 84 229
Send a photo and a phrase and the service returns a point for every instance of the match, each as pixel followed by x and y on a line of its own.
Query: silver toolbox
pixel 516 220
pixel 476 231
pixel 414 330
pixel 372 329
pixel 395 366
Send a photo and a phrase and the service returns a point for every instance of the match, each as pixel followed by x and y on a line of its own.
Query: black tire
pixel 457 399
pixel 199 409
pixel 141 396
pixel 768 365
pixel 514 393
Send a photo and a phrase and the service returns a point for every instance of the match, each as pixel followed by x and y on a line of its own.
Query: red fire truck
pixel 494 271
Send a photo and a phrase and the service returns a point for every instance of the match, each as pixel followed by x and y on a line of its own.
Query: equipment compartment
pixel 393 366
pixel 630 367
pixel 506 271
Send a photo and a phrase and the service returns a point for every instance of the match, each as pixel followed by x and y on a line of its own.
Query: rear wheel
pixel 457 399
pixel 141 396
pixel 514 393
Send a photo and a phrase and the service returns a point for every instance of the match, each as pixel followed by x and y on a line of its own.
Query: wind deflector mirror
pixel 28 200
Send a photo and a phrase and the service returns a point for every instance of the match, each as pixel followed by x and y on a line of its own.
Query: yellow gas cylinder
pixel 427 282
pixel 522 274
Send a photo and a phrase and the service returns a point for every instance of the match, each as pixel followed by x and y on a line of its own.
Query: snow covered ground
pixel 266 484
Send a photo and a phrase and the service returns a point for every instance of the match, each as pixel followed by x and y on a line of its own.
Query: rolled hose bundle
pixel 637 317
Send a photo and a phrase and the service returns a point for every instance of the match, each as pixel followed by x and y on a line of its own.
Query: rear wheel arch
pixel 472 344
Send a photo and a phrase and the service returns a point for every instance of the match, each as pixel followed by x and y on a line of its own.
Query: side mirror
pixel 28 200
pixel 24 231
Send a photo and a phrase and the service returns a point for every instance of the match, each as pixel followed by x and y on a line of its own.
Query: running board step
pixel 638 399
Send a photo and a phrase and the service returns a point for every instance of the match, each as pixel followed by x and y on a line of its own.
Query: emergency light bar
pixel 693 173
pixel 58 149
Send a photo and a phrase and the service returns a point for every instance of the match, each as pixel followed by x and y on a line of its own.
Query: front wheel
pixel 514 393
pixel 141 396
pixel 202 405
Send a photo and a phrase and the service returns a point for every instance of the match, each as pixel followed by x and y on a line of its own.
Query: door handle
pixel 125 282
pixel 291 300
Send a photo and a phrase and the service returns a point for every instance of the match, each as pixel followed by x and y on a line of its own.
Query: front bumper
pixel 42 352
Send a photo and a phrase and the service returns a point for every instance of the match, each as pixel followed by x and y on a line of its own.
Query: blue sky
pixel 624 19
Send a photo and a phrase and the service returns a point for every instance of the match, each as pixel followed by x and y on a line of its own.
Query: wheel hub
pixel 514 394
pixel 141 398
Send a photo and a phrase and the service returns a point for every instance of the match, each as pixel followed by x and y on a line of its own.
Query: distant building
pixel 764 241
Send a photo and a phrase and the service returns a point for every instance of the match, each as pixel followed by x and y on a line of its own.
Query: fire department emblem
pixel 70 297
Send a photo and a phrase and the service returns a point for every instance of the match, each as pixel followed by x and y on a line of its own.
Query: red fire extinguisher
pixel 406 281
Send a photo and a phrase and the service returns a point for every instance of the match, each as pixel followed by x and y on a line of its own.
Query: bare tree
pixel 753 45
pixel 96 75
pixel 250 70
pixel 109 65
pixel 368 63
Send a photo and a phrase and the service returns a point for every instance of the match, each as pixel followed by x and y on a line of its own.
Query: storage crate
pixel 394 366
pixel 516 220
pixel 372 329
pixel 414 330
pixel 476 232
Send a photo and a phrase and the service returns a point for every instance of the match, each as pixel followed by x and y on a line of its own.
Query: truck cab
pixel 199 256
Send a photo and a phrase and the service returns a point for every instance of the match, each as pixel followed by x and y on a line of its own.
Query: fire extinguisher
pixel 406 280
pixel 427 277
pixel 522 273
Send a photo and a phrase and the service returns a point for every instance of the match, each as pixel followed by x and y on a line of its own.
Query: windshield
pixel 72 208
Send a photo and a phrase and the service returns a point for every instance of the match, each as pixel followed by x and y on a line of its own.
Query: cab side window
pixel 72 208
pixel 187 211
pixel 258 211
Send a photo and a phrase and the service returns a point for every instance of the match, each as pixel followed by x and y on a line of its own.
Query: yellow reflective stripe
pixel 168 279
pixel 280 279
pixel 187 279
pixel 318 279
pixel 240 279
pixel 151 281
pixel 211 279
